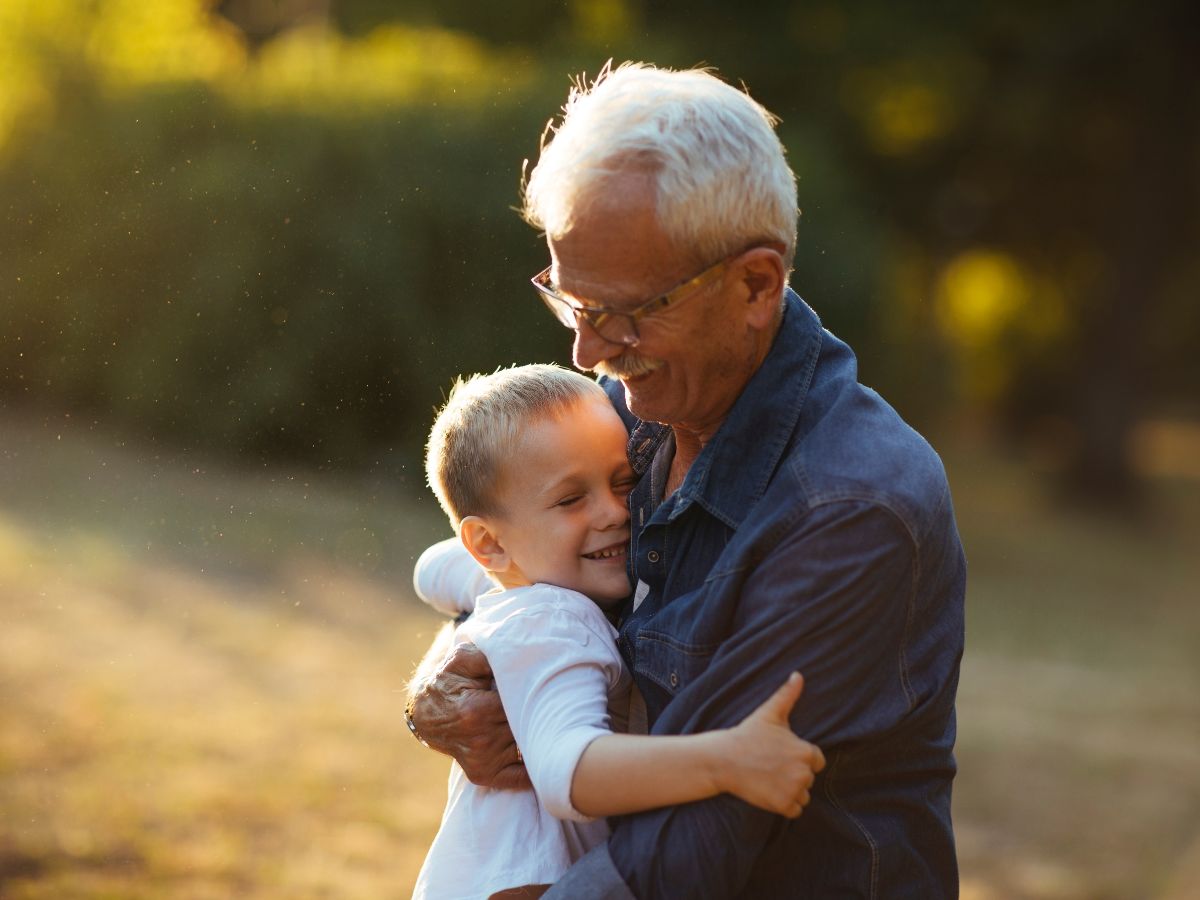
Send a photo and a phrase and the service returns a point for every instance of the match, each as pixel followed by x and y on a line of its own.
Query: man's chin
pixel 638 400
pixel 632 390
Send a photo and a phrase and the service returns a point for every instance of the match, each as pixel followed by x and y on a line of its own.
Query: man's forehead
pixel 615 250
pixel 612 211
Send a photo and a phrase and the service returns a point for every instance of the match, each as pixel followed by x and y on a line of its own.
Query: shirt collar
pixel 733 470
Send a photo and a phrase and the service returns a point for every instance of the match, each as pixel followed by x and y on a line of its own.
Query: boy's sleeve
pixel 447 578
pixel 553 669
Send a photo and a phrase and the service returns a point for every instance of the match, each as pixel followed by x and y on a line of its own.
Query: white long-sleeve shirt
pixel 447 578
pixel 558 671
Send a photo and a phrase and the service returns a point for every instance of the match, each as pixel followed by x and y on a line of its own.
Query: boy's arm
pixel 447 578
pixel 760 760
pixel 554 667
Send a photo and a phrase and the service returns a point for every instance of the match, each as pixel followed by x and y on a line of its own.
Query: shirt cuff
pixel 593 877
pixel 552 771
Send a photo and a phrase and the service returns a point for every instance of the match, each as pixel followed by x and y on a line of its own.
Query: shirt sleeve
pixel 818 600
pixel 447 578
pixel 553 666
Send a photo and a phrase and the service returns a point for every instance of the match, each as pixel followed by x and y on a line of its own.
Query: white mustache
pixel 626 367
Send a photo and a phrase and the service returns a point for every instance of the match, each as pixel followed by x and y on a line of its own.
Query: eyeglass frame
pixel 578 313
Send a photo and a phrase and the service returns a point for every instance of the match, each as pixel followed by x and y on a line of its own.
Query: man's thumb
pixel 468 661
pixel 779 705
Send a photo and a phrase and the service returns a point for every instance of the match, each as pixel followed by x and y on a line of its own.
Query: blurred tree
pixel 262 20
pixel 285 255
pixel 286 234
pixel 1076 158
pixel 1033 170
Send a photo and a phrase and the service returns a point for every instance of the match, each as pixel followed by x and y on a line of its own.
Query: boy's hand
pixel 458 712
pixel 769 766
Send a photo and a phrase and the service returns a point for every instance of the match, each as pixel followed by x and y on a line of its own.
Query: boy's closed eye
pixel 624 486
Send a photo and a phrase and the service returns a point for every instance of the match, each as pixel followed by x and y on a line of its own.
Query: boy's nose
pixel 615 512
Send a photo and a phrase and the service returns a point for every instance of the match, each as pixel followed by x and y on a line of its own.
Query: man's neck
pixel 691 439
pixel 688 445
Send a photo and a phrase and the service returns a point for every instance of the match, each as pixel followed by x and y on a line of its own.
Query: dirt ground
pixel 201 675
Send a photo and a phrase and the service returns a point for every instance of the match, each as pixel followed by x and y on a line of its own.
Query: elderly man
pixel 786 518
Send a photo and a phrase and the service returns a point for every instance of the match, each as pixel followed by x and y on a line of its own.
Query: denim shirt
pixel 815 533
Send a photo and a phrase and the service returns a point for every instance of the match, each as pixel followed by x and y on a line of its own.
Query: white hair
pixel 477 431
pixel 722 183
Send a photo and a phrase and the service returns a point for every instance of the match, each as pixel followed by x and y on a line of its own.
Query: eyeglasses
pixel 617 326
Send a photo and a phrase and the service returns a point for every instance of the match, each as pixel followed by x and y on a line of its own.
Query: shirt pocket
pixel 670 663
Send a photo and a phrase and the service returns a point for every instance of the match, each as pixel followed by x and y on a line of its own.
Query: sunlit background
pixel 246 245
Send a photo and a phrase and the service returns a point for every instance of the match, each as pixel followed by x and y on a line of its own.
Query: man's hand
pixel 458 712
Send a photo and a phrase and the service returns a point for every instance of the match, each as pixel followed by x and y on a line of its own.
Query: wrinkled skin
pixel 458 712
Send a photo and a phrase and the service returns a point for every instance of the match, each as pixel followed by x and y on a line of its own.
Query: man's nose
pixel 590 349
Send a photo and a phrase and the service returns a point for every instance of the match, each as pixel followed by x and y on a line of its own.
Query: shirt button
pixel 653 556
pixel 674 679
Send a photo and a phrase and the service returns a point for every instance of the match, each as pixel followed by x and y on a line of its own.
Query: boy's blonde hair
pixel 476 432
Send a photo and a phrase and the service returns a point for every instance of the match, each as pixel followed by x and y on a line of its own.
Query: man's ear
pixel 483 543
pixel 764 280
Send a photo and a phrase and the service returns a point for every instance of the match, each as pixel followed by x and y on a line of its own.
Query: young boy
pixel 529 464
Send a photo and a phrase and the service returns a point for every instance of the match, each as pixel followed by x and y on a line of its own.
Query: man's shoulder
pixel 853 446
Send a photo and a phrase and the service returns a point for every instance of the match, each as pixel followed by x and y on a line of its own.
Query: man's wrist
pixel 408 720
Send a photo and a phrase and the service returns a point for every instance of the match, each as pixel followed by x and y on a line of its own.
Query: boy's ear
pixel 482 542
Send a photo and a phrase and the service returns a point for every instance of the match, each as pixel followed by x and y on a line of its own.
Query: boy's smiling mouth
pixel 609 552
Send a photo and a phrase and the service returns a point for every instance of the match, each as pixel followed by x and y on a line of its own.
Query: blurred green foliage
pixel 280 229
pixel 272 283
pixel 275 277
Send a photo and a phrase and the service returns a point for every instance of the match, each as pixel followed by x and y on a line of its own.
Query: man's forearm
pixel 430 663
pixel 593 877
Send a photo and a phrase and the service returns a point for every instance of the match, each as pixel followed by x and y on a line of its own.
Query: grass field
pixel 201 673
